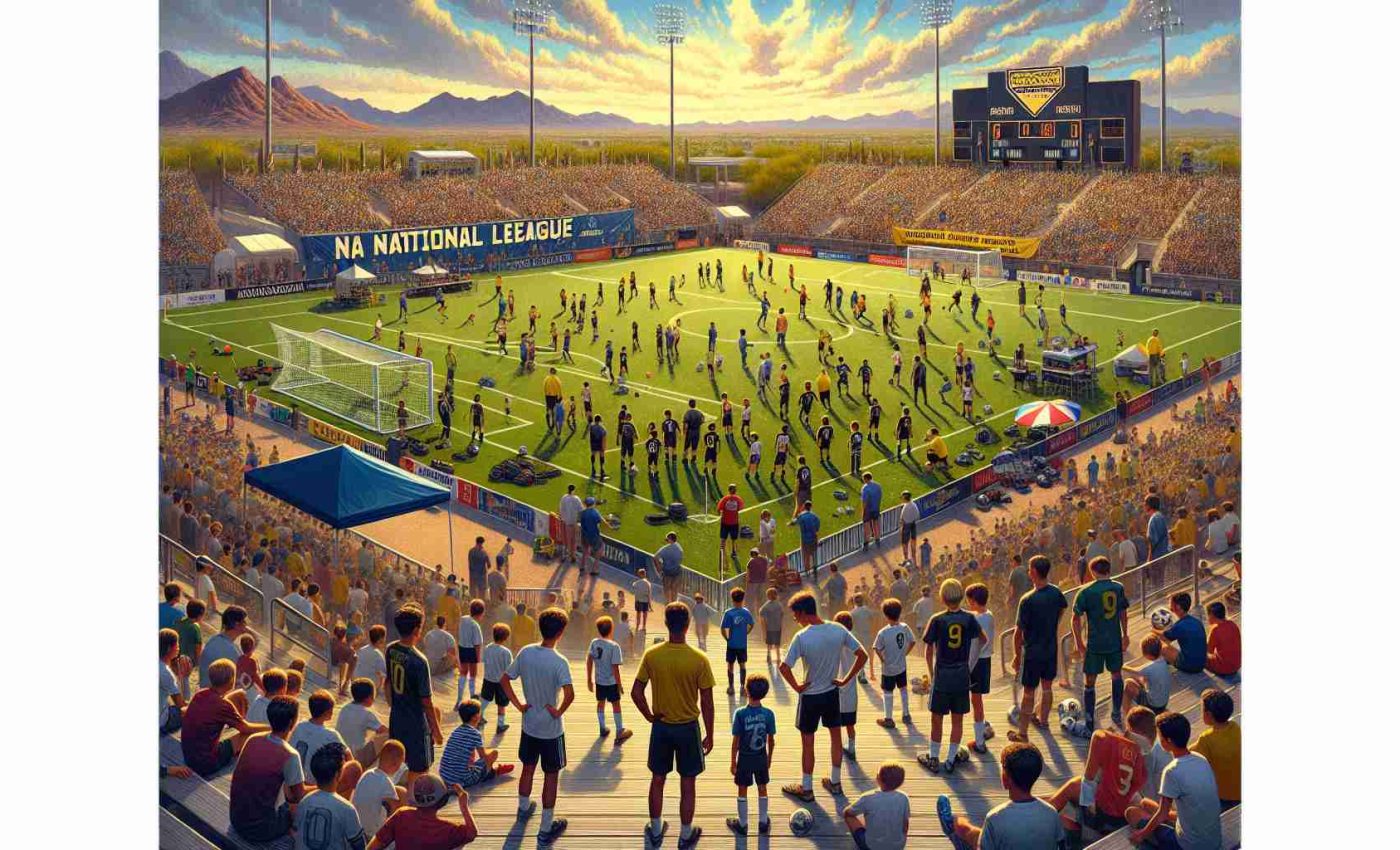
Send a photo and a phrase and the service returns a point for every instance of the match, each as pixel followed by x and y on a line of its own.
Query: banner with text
pixel 751 245
pixel 469 243
pixel 847 256
pixel 885 260
pixel 265 291
pixel 795 250
pixel 1016 247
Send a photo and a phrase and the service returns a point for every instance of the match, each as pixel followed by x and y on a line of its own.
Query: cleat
pixel 795 789
pixel 833 788
pixel 622 736
pixel 736 825
pixel 928 763
pixel 688 843
pixel 886 723
pixel 907 718
pixel 655 839
pixel 948 823
pixel 764 826
pixel 525 814
pixel 949 766
pixel 556 829
pixel 988 733
pixel 604 732
pixel 980 749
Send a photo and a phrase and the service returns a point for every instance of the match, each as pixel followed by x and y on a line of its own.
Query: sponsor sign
pixel 1120 287
pixel 1161 291
pixel 944 497
pixel 1035 87
pixel 840 255
pixel 795 250
pixel 1061 441
pixel 466 493
pixel 375 450
pixel 750 245
pixel 640 250
pixel 593 255
pixel 445 479
pixel 191 299
pixel 885 260
pixel 333 435
pixel 516 264
pixel 1094 425
pixel 1040 277
pixel 984 478
pixel 265 291
pixel 683 244
pixel 1016 247
pixel 507 510
pixel 1142 402
pixel 407 248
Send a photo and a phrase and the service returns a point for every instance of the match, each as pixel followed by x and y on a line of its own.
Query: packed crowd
pixel 1119 207
pixel 820 197
pixel 1208 241
pixel 659 203
pixel 314 201
pixel 1009 203
pixel 901 197
pixel 188 234
pixel 438 200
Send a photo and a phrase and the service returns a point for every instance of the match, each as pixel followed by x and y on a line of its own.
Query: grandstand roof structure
pixel 344 488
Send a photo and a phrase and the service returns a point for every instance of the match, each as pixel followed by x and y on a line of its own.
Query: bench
pixel 175 835
pixel 203 806
pixel 1230 827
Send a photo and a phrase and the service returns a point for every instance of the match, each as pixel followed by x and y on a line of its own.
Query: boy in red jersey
pixel 1114 775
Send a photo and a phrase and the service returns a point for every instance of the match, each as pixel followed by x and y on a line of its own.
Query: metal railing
pixel 177 564
pixel 296 632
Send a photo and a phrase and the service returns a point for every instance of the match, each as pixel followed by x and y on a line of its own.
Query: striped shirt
pixel 459 756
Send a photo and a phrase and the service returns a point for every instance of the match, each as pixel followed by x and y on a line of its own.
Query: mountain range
pixel 190 99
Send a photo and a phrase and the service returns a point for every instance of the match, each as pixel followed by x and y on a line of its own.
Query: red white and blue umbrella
pixel 1057 412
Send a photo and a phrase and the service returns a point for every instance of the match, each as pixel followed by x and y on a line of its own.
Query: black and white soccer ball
pixel 801 822
pixel 1162 619
pixel 1069 709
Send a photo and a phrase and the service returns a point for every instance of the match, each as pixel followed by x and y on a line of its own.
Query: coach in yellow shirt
pixel 682 691
pixel 553 394
pixel 1154 356
pixel 937 449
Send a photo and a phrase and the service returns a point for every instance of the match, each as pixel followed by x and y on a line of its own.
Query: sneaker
pixel 861 678
pixel 886 723
pixel 524 814
pixel 556 829
pixel 764 826
pixel 501 728
pixel 1016 736
pixel 907 718
pixel 980 749
pixel 622 736
pixel 654 839
pixel 950 765
pixel 504 769
pixel 729 690
pixel 948 822
pixel 832 788
pixel 688 843
pixel 795 789
pixel 736 825
pixel 928 763
pixel 604 732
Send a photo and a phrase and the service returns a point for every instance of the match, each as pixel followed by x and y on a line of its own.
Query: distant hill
pixel 1198 119
pixel 234 100
pixel 447 110
pixel 176 76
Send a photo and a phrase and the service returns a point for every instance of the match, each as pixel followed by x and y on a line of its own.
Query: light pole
pixel 1161 19
pixel 935 15
pixel 531 17
pixel 670 31
pixel 267 87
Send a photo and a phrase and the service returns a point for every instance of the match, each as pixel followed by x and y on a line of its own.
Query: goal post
pixel 353 379
pixel 949 263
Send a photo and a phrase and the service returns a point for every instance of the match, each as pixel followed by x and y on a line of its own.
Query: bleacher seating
pixel 1119 207
pixel 188 234
pixel 900 197
pixel 1010 203
pixel 1208 240
pixel 816 200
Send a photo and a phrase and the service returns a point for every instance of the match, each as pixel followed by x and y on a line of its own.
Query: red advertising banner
pixel 682 244
pixel 983 478
pixel 556 528
pixel 466 493
pixel 1140 403
pixel 593 255
pixel 797 250
pixel 886 260
pixel 407 463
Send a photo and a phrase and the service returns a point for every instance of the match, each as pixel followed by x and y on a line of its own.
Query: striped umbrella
pixel 1057 412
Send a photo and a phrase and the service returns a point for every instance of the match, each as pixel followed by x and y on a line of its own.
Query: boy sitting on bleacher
pixel 1188 815
pixel 268 771
pixel 1115 771
pixel 1024 821
pixel 361 728
pixel 212 710
pixel 376 796
pixel 314 733
pixel 325 820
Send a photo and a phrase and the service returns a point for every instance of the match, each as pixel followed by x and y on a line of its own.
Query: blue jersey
pixel 753 724
pixel 737 620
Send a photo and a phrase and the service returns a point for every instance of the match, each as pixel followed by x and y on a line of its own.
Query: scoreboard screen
pixel 1036 141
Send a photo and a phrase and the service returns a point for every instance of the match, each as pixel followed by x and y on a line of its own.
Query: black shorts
pixel 780 459
pixel 848 718
pixel 870 514
pixel 670 441
pixel 548 752
pixel 692 441
pixel 946 702
pixel 1037 670
pixel 493 692
pixel 728 532
pixel 751 770
pixel 608 693
pixel 641 607
pixel 773 638
pixel 223 757
pixel 982 676
pixel 676 746
pixel 908 532
pixel 899 680
pixel 417 747
pixel 467 654
pixel 1099 822
pixel 814 709
pixel 736 653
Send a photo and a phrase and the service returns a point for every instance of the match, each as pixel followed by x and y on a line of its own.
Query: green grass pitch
pixel 1198 329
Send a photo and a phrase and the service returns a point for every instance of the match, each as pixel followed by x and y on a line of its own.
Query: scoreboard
pixel 1049 116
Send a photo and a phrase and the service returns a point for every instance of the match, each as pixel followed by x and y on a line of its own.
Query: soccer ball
pixel 908 313
pixel 648 375
pixel 636 393
pixel 801 822
pixel 987 409
pixel 996 340
pixel 964 754
pixel 996 376
pixel 1162 618
pixel 1069 709
pixel 700 367
pixel 981 343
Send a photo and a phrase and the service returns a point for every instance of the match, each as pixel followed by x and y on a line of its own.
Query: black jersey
pixel 409 685
pixel 478 413
pixel 951 633
pixel 906 426
pixel 804 478
pixel 653 446
pixel 669 427
pixel 865 372
pixel 596 434
pixel 857 440
pixel 693 420
pixel 875 411
pixel 805 400
pixel 1038 615
pixel 711 443
pixel 627 433
pixel 824 434
pixel 843 373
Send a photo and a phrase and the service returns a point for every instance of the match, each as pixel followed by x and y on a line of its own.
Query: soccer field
pixel 1198 329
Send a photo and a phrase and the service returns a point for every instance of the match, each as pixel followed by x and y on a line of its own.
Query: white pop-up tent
pixel 429 270
pixel 1131 361
pixel 353 282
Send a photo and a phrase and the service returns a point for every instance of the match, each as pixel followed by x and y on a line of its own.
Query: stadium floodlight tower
pixel 670 31
pixel 1161 19
pixel 267 87
pixel 935 15
pixel 531 18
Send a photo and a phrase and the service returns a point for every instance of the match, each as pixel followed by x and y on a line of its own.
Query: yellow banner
pixel 333 435
pixel 1016 247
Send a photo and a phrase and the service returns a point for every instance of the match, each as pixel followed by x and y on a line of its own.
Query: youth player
pixel 825 433
pixel 751 754
pixel 849 703
pixel 735 626
pixel 711 441
pixel 892 646
pixel 949 639
pixel 1102 610
pixel 1115 773
pixel 544 676
pixel 1037 643
pixel 597 448
pixel 653 449
pixel 670 431
pixel 469 640
pixel 977 595
pixel 781 443
pixel 604 668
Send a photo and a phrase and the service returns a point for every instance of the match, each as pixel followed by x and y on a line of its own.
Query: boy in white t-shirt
pixel 495 659
pixel 879 820
pixel 641 599
pixel 605 677
pixel 469 639
pixel 369 660
pixel 312 734
pixel 893 644
pixel 622 633
pixel 981 657
pixel 363 730
pixel 376 796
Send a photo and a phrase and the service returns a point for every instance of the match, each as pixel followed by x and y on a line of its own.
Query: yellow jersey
pixel 677 673
pixel 1221 747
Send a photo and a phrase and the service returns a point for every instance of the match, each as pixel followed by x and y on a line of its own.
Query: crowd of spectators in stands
pixel 1120 207
pixel 438 200
pixel 1009 203
pixel 902 196
pixel 188 234
pixel 818 199
pixel 1208 240
pixel 314 201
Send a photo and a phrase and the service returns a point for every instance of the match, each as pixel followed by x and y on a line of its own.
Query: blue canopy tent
pixel 344 488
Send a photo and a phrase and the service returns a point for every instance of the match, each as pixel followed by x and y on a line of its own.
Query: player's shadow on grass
pixel 756 482
pixel 658 497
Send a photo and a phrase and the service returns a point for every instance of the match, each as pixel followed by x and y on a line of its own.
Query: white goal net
pixel 948 264
pixel 354 379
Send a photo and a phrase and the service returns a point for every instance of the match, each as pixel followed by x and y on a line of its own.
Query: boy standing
pixel 735 626
pixel 892 646
pixel 772 614
pixel 604 668
pixel 469 640
pixel 495 659
pixel 751 754
pixel 950 634
pixel 1102 609
pixel 641 599
pixel 977 595
pixel 545 675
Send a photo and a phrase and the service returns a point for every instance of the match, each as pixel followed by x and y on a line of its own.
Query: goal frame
pixel 985 264
pixel 311 378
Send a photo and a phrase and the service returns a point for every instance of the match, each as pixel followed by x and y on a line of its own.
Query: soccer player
pixel 1037 644
pixel 1102 610
pixel 692 421
pixel 604 668
pixel 1021 303
pixel 711 441
pixel 903 434
pixel 627 442
pixel 949 637
pixel 597 448
pixel 856 441
pixel 670 429
pixel 469 640
pixel 751 754
pixel 413 719
pixel 478 414
pixel 441 301
pixel 653 450
pixel 745 420
pixel 892 646
pixel 755 453
pixel 976 305
pixel 849 703
pixel 976 598
pixel 843 378
pixel 825 433
pixel 803 491
pixel 735 626
pixel 818 646
pixel 544 675
pixel 1114 775
pixel 865 374
pixel 876 411
pixel 804 404
pixel 729 507
pixel 781 443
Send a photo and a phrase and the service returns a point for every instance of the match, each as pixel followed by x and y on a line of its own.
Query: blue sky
pixel 743 59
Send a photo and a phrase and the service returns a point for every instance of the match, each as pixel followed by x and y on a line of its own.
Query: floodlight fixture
pixel 935 15
pixel 1161 18
pixel 532 18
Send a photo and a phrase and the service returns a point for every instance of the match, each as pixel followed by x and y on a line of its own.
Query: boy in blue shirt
pixel 1189 654
pixel 735 626
pixel 751 754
